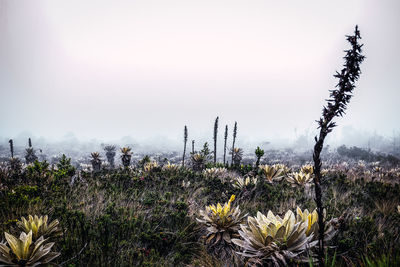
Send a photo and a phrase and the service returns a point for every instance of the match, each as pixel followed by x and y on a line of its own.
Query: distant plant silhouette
pixel 259 153
pixel 215 139
pixel 96 161
pixel 234 139
pixel 185 137
pixel 145 160
pixel 192 146
pixel 126 156
pixel 65 165
pixel 30 155
pixel 15 163
pixel 110 154
pixel 337 104
pixel 11 147
pixel 237 155
pixel 225 138
pixel 198 161
pixel 206 152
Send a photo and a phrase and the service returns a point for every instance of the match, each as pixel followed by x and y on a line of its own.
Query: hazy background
pixel 141 70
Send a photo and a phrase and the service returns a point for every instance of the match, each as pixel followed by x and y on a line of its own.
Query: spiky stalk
pixel 339 98
pixel 29 142
pixel 185 136
pixel 225 138
pixel 234 139
pixel 192 146
pixel 11 147
pixel 215 139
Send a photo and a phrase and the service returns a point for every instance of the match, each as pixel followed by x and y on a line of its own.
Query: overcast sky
pixel 108 69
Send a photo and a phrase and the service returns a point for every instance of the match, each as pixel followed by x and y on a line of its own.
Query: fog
pixel 136 72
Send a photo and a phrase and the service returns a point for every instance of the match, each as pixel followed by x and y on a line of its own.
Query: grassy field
pixel 152 215
pixel 206 213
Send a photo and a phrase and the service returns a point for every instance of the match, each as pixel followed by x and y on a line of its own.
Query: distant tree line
pixel 366 155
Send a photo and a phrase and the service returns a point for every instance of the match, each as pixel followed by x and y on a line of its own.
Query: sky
pixel 112 69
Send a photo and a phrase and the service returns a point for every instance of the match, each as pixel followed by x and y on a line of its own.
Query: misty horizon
pixel 144 70
pixel 300 142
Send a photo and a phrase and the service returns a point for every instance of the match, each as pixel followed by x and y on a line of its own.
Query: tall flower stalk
pixel 215 139
pixel 11 147
pixel 185 137
pixel 234 139
pixel 337 104
pixel 225 138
